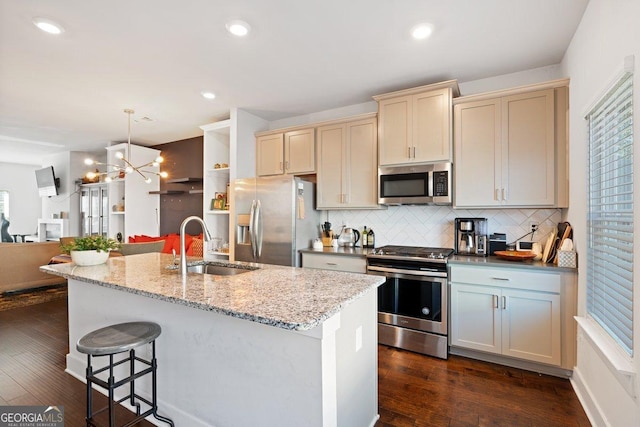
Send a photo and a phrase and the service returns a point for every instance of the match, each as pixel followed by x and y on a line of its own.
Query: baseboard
pixel 34 289
pixel 589 405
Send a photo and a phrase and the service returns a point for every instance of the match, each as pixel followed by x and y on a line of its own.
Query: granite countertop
pixel 494 261
pixel 284 297
pixel 355 251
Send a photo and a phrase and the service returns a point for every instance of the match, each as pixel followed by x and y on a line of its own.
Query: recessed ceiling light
pixel 209 95
pixel 238 28
pixel 48 26
pixel 421 31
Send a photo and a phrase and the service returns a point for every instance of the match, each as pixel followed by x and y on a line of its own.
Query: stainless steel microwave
pixel 415 185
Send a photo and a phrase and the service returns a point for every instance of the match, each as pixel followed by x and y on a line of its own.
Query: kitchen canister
pixel 567 259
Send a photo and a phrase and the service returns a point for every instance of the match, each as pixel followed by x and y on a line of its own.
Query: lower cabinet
pixel 514 313
pixel 351 264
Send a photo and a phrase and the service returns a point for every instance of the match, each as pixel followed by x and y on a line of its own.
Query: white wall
pixel 25 204
pixel 608 33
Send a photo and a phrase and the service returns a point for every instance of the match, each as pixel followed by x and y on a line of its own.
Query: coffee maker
pixel 471 236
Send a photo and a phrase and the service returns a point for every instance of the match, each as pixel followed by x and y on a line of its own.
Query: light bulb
pixel 88 162
pixel 159 159
pixel 148 180
pixel 90 175
pixel 155 164
pixel 164 174
pixel 115 168
pixel 128 169
pixel 107 179
pixel 119 155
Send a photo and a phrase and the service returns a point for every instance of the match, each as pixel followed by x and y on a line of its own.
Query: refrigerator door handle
pixel 252 229
pixel 258 229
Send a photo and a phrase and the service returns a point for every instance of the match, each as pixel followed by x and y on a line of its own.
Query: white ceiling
pixel 68 92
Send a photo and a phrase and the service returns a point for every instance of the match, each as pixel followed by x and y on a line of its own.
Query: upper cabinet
pixel 348 164
pixel 510 148
pixel 290 152
pixel 415 124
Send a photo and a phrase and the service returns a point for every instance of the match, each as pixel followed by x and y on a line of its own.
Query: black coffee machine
pixel 471 236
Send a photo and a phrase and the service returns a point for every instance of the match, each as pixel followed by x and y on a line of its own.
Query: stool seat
pixel 118 338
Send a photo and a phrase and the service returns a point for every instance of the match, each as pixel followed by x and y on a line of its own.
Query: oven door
pixel 412 301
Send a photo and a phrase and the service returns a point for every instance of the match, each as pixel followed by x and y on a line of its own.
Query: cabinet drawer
pixel 506 278
pixel 335 262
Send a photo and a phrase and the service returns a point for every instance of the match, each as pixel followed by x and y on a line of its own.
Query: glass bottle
pixel 371 239
pixel 364 238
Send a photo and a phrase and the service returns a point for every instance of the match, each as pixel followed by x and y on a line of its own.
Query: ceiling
pixel 68 92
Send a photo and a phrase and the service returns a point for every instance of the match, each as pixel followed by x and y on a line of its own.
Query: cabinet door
pixel 300 151
pixel 331 164
pixel 475 317
pixel 362 164
pixel 477 154
pixel 432 126
pixel 104 211
pixel 334 262
pixel 395 130
pixel 270 154
pixel 531 326
pixel 528 149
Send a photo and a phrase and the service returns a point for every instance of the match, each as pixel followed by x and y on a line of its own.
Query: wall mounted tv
pixel 47 182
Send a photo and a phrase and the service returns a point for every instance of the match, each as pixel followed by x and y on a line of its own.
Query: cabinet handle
pixel 500 278
pixel 504 303
pixel 495 301
pixel 331 263
pixel 409 152
pixel 286 165
pixel 504 195
pixel 281 167
pixel 497 195
pixel 414 152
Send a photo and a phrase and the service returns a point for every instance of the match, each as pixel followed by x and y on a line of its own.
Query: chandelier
pixel 120 171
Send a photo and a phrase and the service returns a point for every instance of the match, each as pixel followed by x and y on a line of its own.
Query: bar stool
pixel 110 341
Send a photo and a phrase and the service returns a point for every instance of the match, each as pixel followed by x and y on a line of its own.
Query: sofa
pixel 21 265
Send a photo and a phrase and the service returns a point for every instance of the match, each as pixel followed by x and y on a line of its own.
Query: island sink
pixel 219 270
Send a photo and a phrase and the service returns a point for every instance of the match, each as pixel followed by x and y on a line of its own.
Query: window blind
pixel 610 213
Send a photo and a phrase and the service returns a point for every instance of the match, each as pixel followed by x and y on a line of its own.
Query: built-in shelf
pixel 196 191
pixel 221 171
pixel 218 212
pixel 117 212
pixel 163 192
pixel 183 180
pixel 219 253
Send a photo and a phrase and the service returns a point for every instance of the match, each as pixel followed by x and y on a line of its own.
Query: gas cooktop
pixel 432 254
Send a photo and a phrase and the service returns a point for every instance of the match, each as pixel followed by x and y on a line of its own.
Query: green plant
pixel 91 243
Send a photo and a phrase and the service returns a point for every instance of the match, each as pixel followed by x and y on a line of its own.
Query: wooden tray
pixel 515 255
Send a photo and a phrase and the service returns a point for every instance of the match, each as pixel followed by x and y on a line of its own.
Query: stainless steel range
pixel 412 303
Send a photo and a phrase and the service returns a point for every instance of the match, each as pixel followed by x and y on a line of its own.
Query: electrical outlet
pixel 534 226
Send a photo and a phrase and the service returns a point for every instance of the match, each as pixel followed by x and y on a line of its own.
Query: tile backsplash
pixel 433 225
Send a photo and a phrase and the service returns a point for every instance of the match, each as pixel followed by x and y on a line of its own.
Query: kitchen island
pixel 277 346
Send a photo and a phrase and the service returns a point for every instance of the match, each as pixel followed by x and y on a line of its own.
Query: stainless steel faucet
pixel 183 250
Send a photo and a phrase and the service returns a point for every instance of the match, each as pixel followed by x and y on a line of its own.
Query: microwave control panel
pixel 440 183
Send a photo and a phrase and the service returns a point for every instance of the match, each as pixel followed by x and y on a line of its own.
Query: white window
pixel 4 203
pixel 610 213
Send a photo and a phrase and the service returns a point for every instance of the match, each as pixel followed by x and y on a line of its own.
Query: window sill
pixel 618 362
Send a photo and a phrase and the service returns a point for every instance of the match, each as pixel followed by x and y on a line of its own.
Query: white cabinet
pixel 415 124
pixel 347 165
pixel 334 262
pixel 514 313
pixel 510 149
pixel 94 210
pixel 141 210
pixel 230 142
pixel 290 152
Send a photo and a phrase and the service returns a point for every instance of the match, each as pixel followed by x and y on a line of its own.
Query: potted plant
pixel 90 250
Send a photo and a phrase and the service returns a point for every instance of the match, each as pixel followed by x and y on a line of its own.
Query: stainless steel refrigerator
pixel 275 217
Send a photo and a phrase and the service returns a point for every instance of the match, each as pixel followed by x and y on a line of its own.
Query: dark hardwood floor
pixel 414 390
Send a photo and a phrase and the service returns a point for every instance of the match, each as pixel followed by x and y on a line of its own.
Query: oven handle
pixel 407 272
